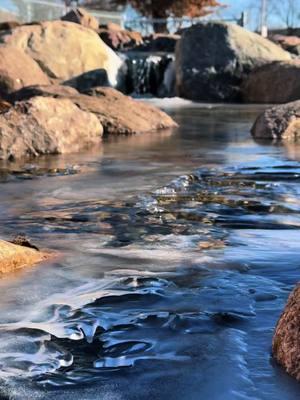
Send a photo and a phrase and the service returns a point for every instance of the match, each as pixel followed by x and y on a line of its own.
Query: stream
pixel 176 252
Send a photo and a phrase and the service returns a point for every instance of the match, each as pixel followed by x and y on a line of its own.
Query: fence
pixel 147 25
pixel 38 10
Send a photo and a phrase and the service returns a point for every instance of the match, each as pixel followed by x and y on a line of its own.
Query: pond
pixel 176 252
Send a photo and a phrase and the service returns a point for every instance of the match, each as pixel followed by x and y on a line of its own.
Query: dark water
pixel 178 250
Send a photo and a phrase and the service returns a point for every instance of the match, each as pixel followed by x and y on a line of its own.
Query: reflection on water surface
pixel 179 251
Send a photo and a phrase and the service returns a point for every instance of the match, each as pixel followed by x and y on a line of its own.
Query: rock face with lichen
pixel 14 257
pixel 286 341
pixel 280 122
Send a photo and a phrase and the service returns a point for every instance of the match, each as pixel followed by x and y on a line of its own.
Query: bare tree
pixel 287 12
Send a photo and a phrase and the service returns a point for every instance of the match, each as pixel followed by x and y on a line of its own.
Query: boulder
pixel 64 49
pixel 120 39
pixel 88 80
pixel 288 43
pixel 277 82
pixel 278 122
pixel 17 70
pixel 56 91
pixel 118 114
pixel 212 59
pixel 45 125
pixel 286 340
pixel 81 17
pixel 14 257
pixel 159 42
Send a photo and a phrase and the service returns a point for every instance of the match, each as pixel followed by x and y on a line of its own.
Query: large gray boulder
pixel 280 122
pixel 277 82
pixel 64 49
pixel 18 70
pixel 46 125
pixel 212 60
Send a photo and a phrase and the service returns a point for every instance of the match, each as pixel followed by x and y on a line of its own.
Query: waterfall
pixel 150 74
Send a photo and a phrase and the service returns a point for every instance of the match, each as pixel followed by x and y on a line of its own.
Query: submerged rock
pixel 17 70
pixel 212 60
pixel 277 82
pixel 81 17
pixel 278 122
pixel 286 340
pixel 45 125
pixel 117 113
pixel 14 257
pixel 64 49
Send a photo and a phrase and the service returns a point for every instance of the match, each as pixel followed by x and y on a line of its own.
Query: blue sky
pixel 277 10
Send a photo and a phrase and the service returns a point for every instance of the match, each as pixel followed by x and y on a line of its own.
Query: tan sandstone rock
pixel 278 122
pixel 286 340
pixel 14 257
pixel 64 49
pixel 18 70
pixel 46 125
pixel 117 113
pixel 277 82
pixel 81 17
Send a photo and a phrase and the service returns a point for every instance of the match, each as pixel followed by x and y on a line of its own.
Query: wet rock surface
pixel 278 122
pixel 286 341
pixel 213 59
pixel 45 125
pixel 278 82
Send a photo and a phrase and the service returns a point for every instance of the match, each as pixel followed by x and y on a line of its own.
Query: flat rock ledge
pixel 281 122
pixel 286 340
pixel 117 113
pixel 14 257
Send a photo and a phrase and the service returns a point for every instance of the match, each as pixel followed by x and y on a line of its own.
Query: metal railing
pixel 172 24
pixel 39 10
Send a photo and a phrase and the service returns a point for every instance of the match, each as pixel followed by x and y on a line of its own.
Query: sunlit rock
pixel 14 257
pixel 17 70
pixel 45 125
pixel 286 341
pixel 278 122
pixel 64 49
pixel 81 17
pixel 117 113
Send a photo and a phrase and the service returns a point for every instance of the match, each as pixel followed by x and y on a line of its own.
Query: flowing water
pixel 176 252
